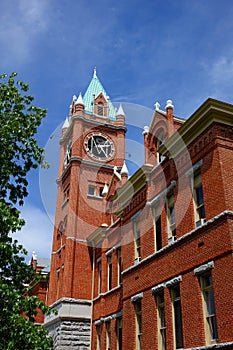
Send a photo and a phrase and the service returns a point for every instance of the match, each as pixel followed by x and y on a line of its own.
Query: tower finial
pixel 94 74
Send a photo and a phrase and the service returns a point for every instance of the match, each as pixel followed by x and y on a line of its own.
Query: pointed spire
pixel 66 124
pixel 120 111
pixel 79 101
pixel 105 190
pixel 124 169
pixel 74 98
pixel 94 74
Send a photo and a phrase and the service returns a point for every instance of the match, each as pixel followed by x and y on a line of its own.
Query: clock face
pixel 99 146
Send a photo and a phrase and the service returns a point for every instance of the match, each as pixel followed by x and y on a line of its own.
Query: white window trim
pixel 203 268
pixel 194 168
pixel 136 297
pixel 162 194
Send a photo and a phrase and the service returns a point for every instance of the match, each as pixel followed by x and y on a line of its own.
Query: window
pixel 109 272
pixel 99 265
pixel 108 335
pixel 160 140
pixel 157 228
pixel 101 191
pixel 209 308
pixel 58 281
pixel 100 108
pixel 119 265
pixel 171 218
pixel 177 316
pixel 68 154
pixel 138 313
pixel 119 333
pixel 198 199
pixel 98 336
pixel 92 190
pixel 161 320
pixel 95 190
pixel 66 194
pixel 137 243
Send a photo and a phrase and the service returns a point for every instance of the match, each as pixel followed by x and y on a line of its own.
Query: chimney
pixel 169 110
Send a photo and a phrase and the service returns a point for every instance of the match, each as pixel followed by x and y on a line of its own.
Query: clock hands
pixel 100 146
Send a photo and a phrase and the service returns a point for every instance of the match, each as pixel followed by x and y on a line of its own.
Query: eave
pixel 211 111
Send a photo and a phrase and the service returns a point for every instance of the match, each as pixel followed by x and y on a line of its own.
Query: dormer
pixel 100 105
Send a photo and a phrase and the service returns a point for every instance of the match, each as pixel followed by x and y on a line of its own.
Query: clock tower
pixel 92 145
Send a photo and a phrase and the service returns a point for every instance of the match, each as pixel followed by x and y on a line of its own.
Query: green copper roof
pixel 95 88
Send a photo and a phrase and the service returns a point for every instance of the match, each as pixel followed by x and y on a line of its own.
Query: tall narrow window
pixel 171 219
pixel 160 140
pixel 109 272
pixel 119 333
pixel 58 281
pixel 100 108
pixel 99 275
pixel 137 240
pixel 161 321
pixel 119 265
pixel 138 313
pixel 177 316
pixel 108 335
pixel 198 199
pixel 98 337
pixel 209 308
pixel 157 228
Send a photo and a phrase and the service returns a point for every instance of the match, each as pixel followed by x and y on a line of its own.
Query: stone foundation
pixel 70 328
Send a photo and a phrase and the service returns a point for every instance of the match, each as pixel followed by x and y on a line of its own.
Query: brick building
pixel 143 262
pixel 39 285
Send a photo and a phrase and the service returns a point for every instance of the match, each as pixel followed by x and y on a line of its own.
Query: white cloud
pixel 37 234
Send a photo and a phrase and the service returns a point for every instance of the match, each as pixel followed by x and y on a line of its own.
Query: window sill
pixel 94 197
pixel 108 292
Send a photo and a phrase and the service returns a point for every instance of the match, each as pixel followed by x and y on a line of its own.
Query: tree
pixel 19 120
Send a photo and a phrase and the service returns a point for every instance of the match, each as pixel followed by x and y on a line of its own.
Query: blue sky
pixel 144 51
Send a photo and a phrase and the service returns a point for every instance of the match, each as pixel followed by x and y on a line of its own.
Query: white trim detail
pixel 157 288
pixel 194 168
pixel 110 251
pixel 162 194
pixel 136 297
pixel 173 281
pixel 112 317
pixel 203 268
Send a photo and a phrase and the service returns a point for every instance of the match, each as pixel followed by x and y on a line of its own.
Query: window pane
pixel 158 231
pixel 91 190
pixel 119 333
pixel 178 324
pixel 100 109
pixel 200 198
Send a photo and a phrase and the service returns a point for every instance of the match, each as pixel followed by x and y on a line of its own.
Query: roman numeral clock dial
pixel 99 146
